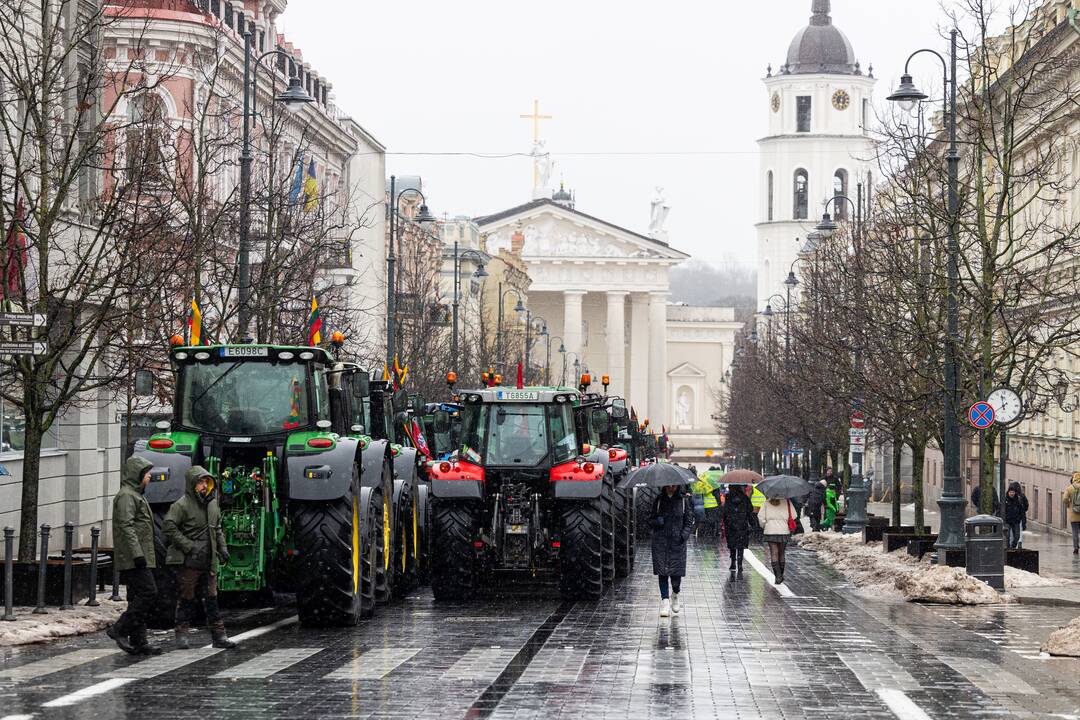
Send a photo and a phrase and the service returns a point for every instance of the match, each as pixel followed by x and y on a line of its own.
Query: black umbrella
pixel 658 475
pixel 784 487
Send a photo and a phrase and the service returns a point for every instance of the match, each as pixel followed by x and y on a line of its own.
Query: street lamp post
pixel 519 309
pixel 479 274
pixel 789 284
pixel 294 98
pixel 547 360
pixel 423 217
pixel 529 318
pixel 577 366
pixel 952 500
pixel 855 519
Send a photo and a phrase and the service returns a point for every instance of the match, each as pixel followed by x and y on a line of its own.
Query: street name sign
pixel 23 348
pixel 22 319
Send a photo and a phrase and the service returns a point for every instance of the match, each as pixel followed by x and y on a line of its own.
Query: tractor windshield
pixel 518 434
pixel 248 398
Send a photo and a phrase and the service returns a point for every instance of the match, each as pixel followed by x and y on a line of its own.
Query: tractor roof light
pixel 202 356
pixel 180 356
pixel 498 379
pixel 451 378
pixel 586 379
pixel 605 380
pixel 337 338
pixel 176 341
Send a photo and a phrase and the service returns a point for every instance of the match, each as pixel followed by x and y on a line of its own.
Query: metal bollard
pixel 69 538
pixel 40 609
pixel 92 601
pixel 115 597
pixel 9 573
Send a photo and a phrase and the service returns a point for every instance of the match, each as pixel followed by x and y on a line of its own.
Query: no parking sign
pixel 981 415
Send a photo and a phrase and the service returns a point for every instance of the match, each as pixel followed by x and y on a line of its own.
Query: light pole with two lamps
pixel 479 274
pixel 425 218
pixel 951 503
pixel 294 98
pixel 519 309
pixel 529 319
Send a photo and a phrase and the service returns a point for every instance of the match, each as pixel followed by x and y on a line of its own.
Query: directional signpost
pixel 18 347
pixel 22 319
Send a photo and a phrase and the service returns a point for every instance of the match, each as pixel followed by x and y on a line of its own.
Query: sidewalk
pixel 1055 559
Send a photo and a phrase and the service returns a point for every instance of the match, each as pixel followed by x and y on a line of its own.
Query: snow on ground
pixel 1064 641
pixel 886 575
pixel 30 628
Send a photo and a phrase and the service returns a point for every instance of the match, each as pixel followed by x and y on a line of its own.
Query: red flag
pixel 419 440
pixel 15 259
pixel 521 377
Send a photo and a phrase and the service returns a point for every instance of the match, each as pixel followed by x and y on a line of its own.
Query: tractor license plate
pixel 244 352
pixel 516 530
pixel 517 395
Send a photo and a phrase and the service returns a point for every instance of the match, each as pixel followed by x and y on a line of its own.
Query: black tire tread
pixel 453 571
pixel 323 534
pixel 581 555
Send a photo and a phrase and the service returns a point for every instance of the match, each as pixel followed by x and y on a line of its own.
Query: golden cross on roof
pixel 536 117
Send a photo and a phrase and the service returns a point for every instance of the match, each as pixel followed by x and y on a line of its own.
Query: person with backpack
pixel 1071 498
pixel 1016 508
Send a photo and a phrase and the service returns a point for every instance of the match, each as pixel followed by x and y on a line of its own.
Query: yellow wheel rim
pixel 386 533
pixel 404 549
pixel 355 546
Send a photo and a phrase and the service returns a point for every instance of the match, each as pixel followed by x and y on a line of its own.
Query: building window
pixel 802 108
pixel 146 134
pixel 769 196
pixel 801 195
pixel 1035 508
pixel 840 189
pixel 1049 507
pixel 866 115
pixel 228 15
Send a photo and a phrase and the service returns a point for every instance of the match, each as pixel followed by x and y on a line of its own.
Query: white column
pixel 616 342
pixel 639 355
pixel 658 382
pixel 572 331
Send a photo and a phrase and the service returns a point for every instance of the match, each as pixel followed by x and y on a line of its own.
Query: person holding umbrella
pixel 737 517
pixel 778 517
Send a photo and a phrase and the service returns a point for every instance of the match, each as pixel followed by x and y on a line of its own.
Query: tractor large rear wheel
pixel 423 527
pixel 581 571
pixel 624 541
pixel 643 501
pixel 405 544
pixel 336 546
pixel 384 553
pixel 453 567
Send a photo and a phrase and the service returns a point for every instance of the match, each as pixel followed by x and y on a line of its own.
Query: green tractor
pixel 309 502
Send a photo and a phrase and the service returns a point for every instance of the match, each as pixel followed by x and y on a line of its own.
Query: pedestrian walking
pixel 815 504
pixel 1071 498
pixel 777 519
pixel 192 529
pixel 737 517
pixel 832 506
pixel 1016 508
pixel 133 553
pixel 673 523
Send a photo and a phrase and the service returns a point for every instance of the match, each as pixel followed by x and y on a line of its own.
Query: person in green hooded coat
pixel 133 553
pixel 192 529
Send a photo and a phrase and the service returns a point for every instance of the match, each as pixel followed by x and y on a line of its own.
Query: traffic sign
pixel 23 319
pixel 857 441
pixel 858 420
pixel 981 415
pixel 23 348
pixel 857 432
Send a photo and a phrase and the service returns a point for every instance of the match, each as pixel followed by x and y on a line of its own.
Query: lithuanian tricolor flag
pixel 194 323
pixel 314 324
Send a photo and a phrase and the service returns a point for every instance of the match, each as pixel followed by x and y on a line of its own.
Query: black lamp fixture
pixel 791 281
pixel 768 311
pixel 827 226
pixel 424 217
pixel 294 97
pixel 907 94
pixel 480 272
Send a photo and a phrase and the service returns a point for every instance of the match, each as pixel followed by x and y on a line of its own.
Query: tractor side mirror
pixel 618 411
pixel 599 418
pixel 144 383
pixel 361 385
pixel 400 401
pixel 442 421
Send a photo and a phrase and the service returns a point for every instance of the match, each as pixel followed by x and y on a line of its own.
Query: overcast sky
pixel 626 80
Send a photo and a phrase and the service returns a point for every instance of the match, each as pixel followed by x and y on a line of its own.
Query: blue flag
pixel 298 182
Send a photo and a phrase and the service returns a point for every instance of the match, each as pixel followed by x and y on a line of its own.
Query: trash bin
pixel 986 549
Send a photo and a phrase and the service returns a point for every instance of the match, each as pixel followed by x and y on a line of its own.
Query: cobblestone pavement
pixel 739 649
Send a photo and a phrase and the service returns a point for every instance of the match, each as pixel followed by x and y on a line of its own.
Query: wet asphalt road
pixel 739 649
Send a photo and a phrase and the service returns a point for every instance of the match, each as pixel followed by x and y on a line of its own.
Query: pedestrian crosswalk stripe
pixel 480 665
pixel 256 632
pixel 267 664
pixel 161 664
pixel 51 665
pixel 88 692
pixel 901 705
pixel 374 664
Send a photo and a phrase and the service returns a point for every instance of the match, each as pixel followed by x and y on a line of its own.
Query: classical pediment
pixel 686 370
pixel 555 232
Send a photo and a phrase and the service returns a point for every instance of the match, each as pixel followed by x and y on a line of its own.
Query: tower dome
pixel 821 47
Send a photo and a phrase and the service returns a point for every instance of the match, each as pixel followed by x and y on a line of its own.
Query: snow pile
pixel 1016 578
pixel 29 628
pixel 881 575
pixel 1064 641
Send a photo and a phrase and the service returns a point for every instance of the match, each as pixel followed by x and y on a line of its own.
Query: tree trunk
pixel 31 474
pixel 897 458
pixel 918 460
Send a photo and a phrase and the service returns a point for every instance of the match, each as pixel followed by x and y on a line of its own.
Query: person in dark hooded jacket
pixel 673 523
pixel 815 504
pixel 1016 509
pixel 738 519
pixel 133 553
pixel 192 529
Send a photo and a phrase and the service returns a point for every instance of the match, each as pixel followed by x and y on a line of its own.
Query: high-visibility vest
pixel 757 500
pixel 710 500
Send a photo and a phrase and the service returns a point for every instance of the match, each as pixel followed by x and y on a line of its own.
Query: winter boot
pixel 739 557
pixel 732 568
pixel 220 639
pixel 141 645
pixel 118 637
pixel 665 608
pixel 780 577
pixel 777 577
pixel 182 633
pixel 675 603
